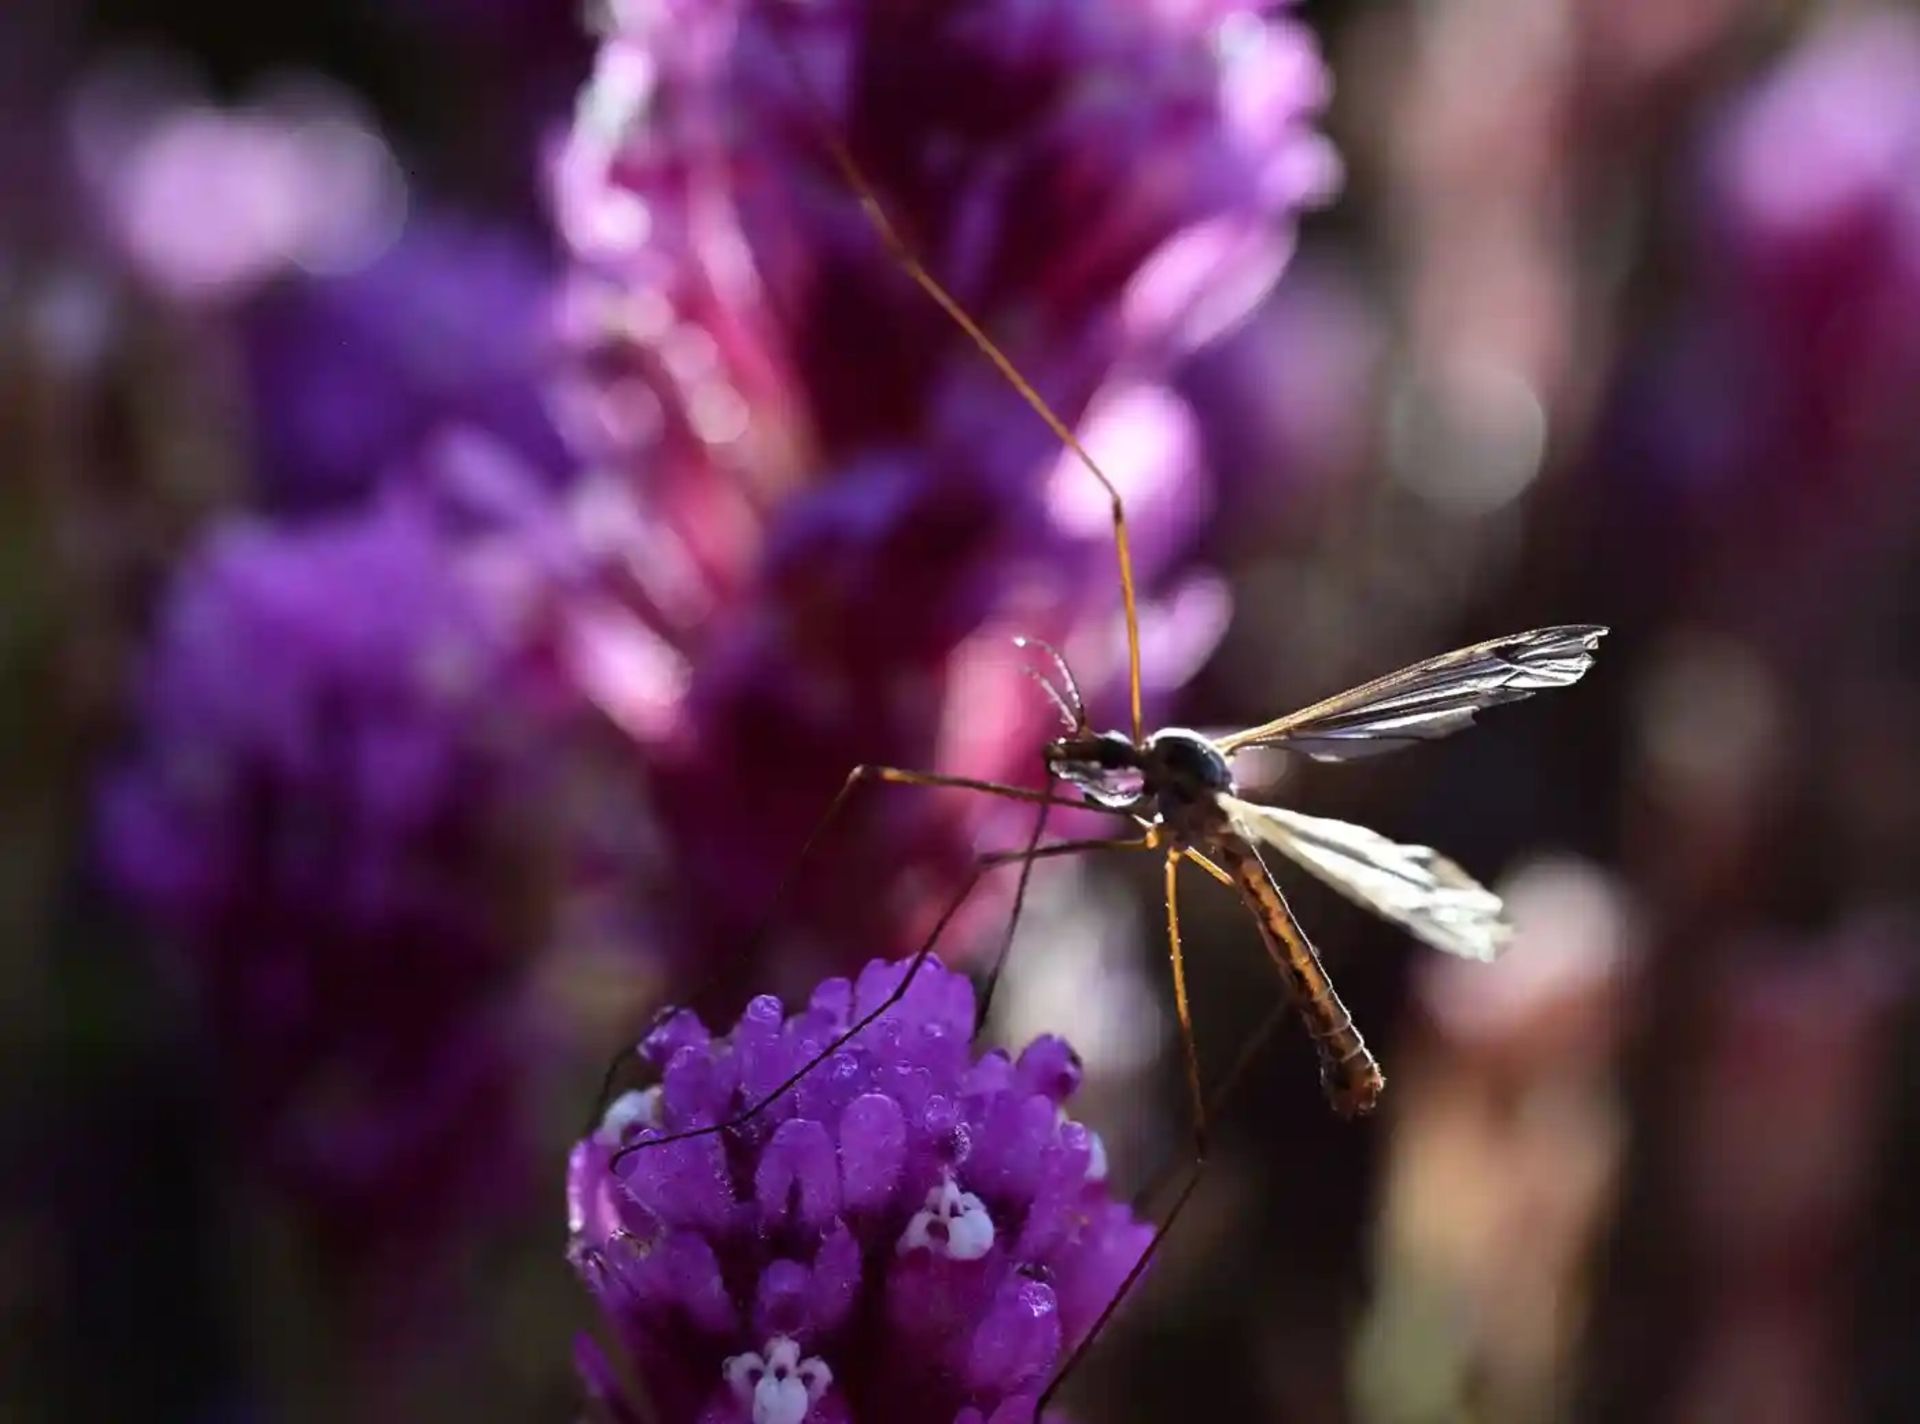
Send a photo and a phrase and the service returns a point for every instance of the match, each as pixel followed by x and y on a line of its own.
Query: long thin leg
pixel 860 776
pixel 891 775
pixel 1249 1054
pixel 1013 918
pixel 1345 1064
pixel 993 860
pixel 860 1025
pixel 1223 1091
pixel 903 253
pixel 897 244
pixel 1189 1049
pixel 1215 871
pixel 1195 1168
pixel 1151 841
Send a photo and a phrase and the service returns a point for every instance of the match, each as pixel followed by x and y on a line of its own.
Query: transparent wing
pixel 1430 699
pixel 1416 887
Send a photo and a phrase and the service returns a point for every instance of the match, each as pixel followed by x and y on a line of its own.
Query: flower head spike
pixel 325 810
pixel 910 1234
pixel 845 509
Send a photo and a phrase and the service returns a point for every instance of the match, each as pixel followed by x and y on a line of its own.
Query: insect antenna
pixel 1054 695
pixel 1073 707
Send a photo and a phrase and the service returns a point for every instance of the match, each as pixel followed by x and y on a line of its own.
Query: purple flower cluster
pixel 843 502
pixel 910 1233
pixel 333 806
pixel 325 807
pixel 352 376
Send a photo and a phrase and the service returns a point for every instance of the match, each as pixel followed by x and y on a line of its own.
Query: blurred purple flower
pixel 909 1234
pixel 206 203
pixel 282 224
pixel 1784 381
pixel 1815 178
pixel 1288 400
pixel 352 376
pixel 345 804
pixel 841 499
pixel 327 807
pixel 1783 1134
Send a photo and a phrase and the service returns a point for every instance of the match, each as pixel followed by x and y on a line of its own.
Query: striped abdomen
pixel 1352 1080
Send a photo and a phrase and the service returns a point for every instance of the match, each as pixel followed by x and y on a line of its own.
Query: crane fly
pixel 1176 786
pixel 1179 786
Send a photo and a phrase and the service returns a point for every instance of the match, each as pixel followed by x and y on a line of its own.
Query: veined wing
pixel 1430 699
pixel 1416 887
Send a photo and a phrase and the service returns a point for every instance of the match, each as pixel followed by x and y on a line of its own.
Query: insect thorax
pixel 1185 772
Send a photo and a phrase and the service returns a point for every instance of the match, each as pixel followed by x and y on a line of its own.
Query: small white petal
pixel 915 1237
pixel 1096 1157
pixel 780 1399
pixel 780 1386
pixel 1096 1149
pixel 815 1375
pixel 640 1108
pixel 741 1372
pixel 970 1234
pixel 967 1227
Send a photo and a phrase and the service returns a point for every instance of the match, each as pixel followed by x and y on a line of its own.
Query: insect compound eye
pixel 1105 768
